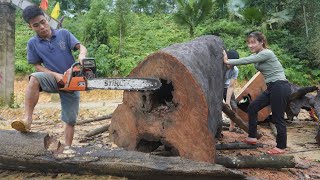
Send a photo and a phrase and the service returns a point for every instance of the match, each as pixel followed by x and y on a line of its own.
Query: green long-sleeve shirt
pixel 266 62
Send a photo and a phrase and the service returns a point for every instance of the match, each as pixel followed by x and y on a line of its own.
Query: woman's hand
pixel 225 57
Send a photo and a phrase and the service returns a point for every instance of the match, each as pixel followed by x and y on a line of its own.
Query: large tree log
pixel 185 113
pixel 29 152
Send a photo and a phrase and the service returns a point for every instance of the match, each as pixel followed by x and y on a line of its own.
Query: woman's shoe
pixel 276 151
pixel 251 142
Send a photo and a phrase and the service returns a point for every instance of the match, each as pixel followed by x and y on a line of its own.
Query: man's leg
pixel 68 134
pixel 37 81
pixel 70 109
pixel 31 100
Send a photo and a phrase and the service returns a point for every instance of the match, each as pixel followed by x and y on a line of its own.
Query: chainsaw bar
pixel 124 84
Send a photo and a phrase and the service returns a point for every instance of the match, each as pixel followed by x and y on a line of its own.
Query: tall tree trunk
pixel 305 19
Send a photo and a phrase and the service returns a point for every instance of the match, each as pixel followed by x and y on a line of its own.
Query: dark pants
pixel 276 95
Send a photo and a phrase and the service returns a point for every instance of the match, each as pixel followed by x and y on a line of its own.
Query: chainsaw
pixel 82 77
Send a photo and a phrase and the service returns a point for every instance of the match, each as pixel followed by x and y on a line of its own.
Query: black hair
pixel 31 12
pixel 233 54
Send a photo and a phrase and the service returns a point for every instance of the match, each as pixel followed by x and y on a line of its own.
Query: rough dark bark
pixel 263 161
pixel 237 119
pixel 109 116
pixel 237 145
pixel 28 152
pixel 301 92
pixel 185 113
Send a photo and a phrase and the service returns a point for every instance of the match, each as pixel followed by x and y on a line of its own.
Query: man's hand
pixel 82 53
pixel 59 79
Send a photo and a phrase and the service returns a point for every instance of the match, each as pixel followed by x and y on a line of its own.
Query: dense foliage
pixel 121 33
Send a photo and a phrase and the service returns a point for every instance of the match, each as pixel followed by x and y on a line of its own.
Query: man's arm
pixel 82 52
pixel 57 76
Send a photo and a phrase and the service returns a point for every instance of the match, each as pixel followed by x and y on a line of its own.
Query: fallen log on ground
pixel 109 116
pixel 237 145
pixel 2 119
pixel 299 93
pixel 237 119
pixel 99 130
pixel 300 99
pixel 28 151
pixel 185 113
pixel 263 161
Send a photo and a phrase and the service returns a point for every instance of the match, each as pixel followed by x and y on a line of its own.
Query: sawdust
pixel 301 133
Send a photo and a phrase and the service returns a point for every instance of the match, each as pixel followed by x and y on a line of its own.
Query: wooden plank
pixel 254 87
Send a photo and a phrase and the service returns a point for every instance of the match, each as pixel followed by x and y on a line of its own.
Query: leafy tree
pixel 142 6
pixel 222 5
pixel 95 26
pixel 252 15
pixel 192 12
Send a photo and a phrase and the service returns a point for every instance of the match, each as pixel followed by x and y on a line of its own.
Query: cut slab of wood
pixel 255 86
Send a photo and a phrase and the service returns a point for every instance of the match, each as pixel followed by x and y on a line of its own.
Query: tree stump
pixel 185 113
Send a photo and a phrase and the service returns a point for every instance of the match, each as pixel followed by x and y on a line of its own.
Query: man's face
pixel 41 26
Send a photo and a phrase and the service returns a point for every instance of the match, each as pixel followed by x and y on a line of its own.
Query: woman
pixel 277 92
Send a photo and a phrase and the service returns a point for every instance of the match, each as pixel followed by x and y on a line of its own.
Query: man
pixel 231 76
pixel 50 51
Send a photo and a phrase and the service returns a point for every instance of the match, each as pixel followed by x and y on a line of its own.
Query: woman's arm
pixel 255 58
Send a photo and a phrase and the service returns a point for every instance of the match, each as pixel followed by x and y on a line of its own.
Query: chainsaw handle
pixel 71 72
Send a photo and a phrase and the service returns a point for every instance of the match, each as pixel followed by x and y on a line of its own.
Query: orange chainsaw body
pixel 73 83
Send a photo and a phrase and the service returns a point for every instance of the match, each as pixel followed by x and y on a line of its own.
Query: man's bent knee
pixel 33 80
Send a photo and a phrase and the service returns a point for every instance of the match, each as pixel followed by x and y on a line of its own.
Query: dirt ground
pixel 301 133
